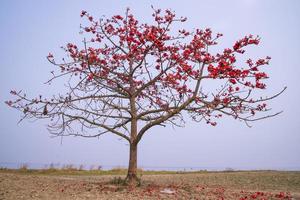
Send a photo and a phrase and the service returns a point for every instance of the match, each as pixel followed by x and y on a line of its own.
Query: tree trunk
pixel 132 178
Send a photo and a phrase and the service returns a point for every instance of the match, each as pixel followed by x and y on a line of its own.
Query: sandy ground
pixel 188 186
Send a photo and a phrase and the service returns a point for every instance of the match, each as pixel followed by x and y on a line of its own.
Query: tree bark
pixel 132 178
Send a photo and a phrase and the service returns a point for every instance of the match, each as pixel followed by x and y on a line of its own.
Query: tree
pixel 129 77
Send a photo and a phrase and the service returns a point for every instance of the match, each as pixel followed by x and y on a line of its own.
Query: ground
pixel 202 185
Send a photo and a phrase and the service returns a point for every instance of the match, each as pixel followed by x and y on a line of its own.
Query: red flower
pixel 90 77
pixel 50 55
pixel 83 13
pixel 233 81
pixel 213 123
pixel 226 100
pixel 119 17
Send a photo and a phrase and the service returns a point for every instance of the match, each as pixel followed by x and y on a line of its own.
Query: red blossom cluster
pixel 266 196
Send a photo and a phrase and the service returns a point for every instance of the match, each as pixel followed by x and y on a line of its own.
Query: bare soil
pixel 230 186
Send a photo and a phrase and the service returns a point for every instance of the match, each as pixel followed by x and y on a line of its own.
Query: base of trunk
pixel 132 180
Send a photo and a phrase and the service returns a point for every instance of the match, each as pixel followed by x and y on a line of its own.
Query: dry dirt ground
pixel 213 186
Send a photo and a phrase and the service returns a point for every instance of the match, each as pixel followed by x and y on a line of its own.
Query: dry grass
pixel 72 170
pixel 100 184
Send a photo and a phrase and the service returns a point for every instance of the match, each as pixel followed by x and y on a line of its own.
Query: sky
pixel 31 29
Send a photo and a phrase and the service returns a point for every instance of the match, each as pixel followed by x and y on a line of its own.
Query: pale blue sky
pixel 30 29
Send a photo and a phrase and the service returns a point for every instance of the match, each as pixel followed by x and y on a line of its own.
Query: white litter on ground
pixel 167 191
